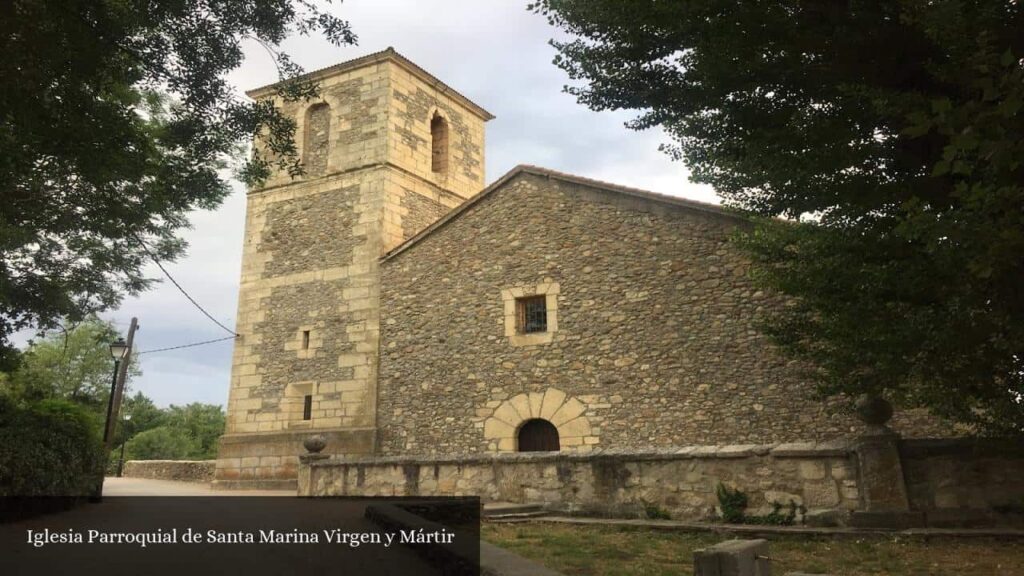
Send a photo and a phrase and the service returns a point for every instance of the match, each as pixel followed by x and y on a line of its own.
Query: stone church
pixel 395 303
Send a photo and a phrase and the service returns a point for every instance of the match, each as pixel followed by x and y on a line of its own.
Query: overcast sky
pixel 497 54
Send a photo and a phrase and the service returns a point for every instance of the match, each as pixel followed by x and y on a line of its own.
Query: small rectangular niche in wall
pixel 307 407
pixel 305 342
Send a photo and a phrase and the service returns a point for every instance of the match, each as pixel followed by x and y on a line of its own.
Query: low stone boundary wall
pixel 179 470
pixel 965 481
pixel 681 481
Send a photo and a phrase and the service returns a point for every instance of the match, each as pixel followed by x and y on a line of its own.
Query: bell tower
pixel 388 149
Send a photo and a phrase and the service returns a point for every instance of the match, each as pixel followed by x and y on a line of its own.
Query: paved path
pixel 146 487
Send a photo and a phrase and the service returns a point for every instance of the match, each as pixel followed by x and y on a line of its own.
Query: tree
pixel 74 364
pixel 894 129
pixel 173 433
pixel 116 120
pixel 202 423
pixel 139 414
pixel 160 443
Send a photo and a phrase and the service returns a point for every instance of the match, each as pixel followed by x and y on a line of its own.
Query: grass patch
pixel 613 551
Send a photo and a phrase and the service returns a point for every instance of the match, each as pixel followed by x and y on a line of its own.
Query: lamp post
pixel 124 440
pixel 117 350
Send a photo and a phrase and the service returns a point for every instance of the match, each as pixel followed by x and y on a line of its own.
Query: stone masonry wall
pixel 309 266
pixel 354 122
pixel 656 341
pixel 680 481
pixel 412 105
pixel 177 470
pixel 308 317
pixel 304 271
pixel 961 474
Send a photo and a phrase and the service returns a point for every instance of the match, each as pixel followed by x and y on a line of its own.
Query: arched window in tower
pixel 318 138
pixel 537 435
pixel 438 143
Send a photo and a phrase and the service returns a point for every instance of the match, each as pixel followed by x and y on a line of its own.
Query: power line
pixel 186 345
pixel 182 290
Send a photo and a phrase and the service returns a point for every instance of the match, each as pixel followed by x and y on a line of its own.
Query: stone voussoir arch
pixel 566 413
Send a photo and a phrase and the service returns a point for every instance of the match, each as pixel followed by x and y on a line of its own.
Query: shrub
pixel 49 448
pixel 160 443
pixel 655 512
pixel 734 509
pixel 733 503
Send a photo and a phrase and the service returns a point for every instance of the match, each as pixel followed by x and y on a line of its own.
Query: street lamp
pixel 117 351
pixel 124 440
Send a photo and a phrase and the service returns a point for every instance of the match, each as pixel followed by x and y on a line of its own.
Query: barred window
pixel 532 314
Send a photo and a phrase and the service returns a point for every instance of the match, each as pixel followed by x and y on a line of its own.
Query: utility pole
pixel 122 374
pixel 122 354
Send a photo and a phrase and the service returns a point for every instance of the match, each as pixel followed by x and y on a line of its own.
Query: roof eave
pixel 569 178
pixel 389 54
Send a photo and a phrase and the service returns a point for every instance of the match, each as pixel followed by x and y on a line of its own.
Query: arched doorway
pixel 537 435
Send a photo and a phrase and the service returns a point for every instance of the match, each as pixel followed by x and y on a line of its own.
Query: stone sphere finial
pixel 873 410
pixel 315 443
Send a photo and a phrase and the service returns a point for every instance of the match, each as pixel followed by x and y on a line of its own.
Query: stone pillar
pixel 882 486
pixel 314 445
pixel 733 558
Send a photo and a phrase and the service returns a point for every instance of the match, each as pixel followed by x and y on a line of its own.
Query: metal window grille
pixel 533 314
pixel 307 407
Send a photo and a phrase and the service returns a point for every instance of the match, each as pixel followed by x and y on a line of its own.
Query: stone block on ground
pixel 733 558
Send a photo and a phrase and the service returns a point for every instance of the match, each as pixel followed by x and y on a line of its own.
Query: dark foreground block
pixel 251 536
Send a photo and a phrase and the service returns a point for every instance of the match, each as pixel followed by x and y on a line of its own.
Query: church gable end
pixel 655 343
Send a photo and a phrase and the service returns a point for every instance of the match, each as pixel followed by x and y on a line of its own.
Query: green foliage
pixel 160 443
pixel 49 448
pixel 202 423
pixel 733 503
pixel 118 120
pixel 175 433
pixel 776 517
pixel 73 364
pixel 138 415
pixel 655 512
pixel 901 147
